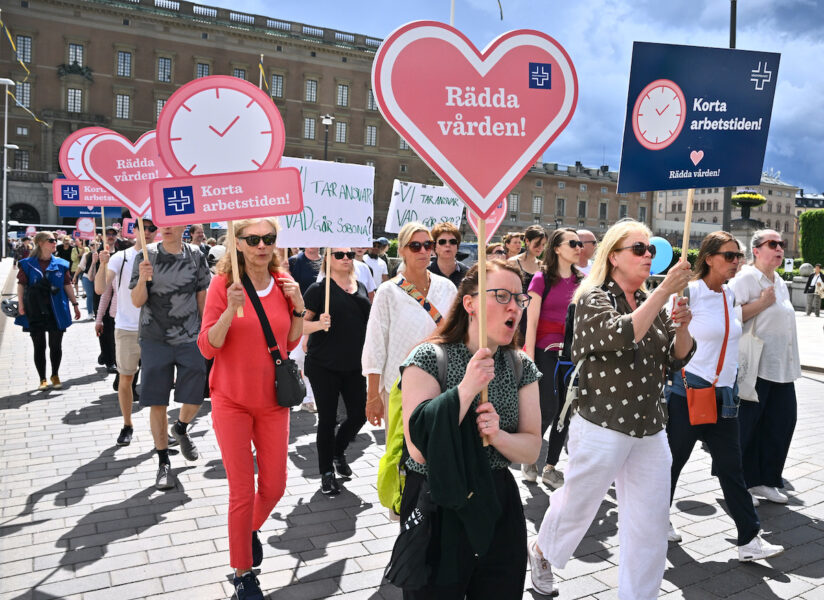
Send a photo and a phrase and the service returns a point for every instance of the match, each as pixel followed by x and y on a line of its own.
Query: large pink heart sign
pixel 479 119
pixel 77 189
pixel 124 169
pixel 493 221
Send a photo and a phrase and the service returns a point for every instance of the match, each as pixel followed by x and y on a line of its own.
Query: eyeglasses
pixel 640 248
pixel 450 241
pixel 150 228
pixel 50 241
pixel 573 244
pixel 416 246
pixel 730 256
pixel 503 296
pixel 339 255
pixel 499 252
pixel 773 244
pixel 254 240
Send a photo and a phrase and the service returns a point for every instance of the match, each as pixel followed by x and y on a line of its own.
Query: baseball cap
pixel 382 241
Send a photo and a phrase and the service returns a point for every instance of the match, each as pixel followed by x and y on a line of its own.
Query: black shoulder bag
pixel 289 387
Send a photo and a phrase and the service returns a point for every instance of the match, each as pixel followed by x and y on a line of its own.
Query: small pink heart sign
pixel 696 156
pixel 493 221
pixel 124 169
pixel 479 119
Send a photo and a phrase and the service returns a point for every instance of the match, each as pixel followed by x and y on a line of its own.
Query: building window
pixel 21 160
pixel 404 168
pixel 76 54
pixel 604 189
pixel 22 130
pixel 537 205
pixel 343 95
pixel 715 204
pixel 164 69
pixel 309 128
pixel 370 163
pixel 122 108
pixel 340 132
pixel 642 214
pixel 539 183
pixel 311 91
pixel 403 145
pixel 786 227
pixel 23 92
pixel 561 185
pixel 602 211
pixel 339 159
pixel 202 70
pixel 371 136
pixel 622 211
pixel 769 224
pixel 560 207
pixel 370 101
pixel 159 104
pixel 239 73
pixel 582 209
pixel 277 86
pixel 307 156
pixel 24 48
pixel 74 100
pixel 643 195
pixel 124 64
pixel 513 201
pixel 583 187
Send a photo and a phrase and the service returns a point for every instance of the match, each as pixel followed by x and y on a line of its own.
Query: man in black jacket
pixel 813 299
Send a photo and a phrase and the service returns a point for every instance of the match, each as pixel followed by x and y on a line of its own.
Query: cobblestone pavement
pixel 80 518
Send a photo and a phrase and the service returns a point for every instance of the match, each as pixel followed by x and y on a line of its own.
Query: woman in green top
pixel 478 544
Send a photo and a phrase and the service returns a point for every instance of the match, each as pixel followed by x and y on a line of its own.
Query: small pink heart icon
pixel 696 156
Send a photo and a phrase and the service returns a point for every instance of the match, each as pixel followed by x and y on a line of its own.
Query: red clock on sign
pixel 659 114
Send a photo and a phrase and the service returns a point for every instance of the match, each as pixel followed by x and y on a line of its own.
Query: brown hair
pixel 512 234
pixel 224 265
pixel 534 232
pixel 709 246
pixel 492 246
pixel 550 265
pixel 353 274
pixel 455 327
pixel 445 228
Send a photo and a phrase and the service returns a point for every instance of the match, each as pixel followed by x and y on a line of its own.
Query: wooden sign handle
pixel 328 277
pixel 232 243
pixel 685 241
pixel 103 227
pixel 482 342
pixel 142 237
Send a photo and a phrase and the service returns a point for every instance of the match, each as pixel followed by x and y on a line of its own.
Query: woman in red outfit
pixel 244 406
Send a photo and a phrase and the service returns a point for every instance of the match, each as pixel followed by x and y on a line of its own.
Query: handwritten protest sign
pixel 493 221
pixel 338 205
pixel 478 119
pixel 427 204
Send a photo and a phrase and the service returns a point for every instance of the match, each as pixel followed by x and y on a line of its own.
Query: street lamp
pixel 327 120
pixel 6 83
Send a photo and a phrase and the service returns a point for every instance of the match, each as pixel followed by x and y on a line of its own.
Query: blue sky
pixel 598 35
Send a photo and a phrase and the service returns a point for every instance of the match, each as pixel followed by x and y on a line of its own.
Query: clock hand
pixel 228 127
pixel 661 112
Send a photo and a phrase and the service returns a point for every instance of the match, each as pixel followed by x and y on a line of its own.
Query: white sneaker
pixel 541 572
pixel 755 501
pixel 673 535
pixel 552 477
pixel 758 549
pixel 529 473
pixel 769 493
pixel 309 407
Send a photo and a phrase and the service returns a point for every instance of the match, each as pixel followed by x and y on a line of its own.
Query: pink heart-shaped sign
pixel 696 156
pixel 493 221
pixel 70 156
pixel 478 119
pixel 124 169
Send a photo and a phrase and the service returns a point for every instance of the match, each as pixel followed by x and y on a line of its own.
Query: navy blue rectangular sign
pixel 696 117
pixel 112 212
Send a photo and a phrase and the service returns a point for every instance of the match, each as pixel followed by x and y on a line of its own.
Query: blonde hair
pixel 406 233
pixel 224 265
pixel 353 276
pixel 601 267
pixel 40 236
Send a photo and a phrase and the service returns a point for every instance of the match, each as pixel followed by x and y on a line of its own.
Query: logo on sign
pixel 69 192
pixel 760 76
pixel 178 200
pixel 130 228
pixel 540 76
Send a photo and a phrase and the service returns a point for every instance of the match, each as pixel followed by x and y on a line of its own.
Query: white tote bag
pixel 750 347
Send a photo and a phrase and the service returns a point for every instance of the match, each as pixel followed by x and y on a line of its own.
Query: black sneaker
pixel 164 479
pixel 329 485
pixel 247 587
pixel 171 442
pixel 111 369
pixel 187 446
pixel 257 550
pixel 116 382
pixel 125 437
pixel 341 466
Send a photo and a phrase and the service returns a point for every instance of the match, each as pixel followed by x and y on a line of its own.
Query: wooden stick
pixel 232 249
pixel 103 226
pixel 328 276
pixel 482 342
pixel 143 238
pixel 685 241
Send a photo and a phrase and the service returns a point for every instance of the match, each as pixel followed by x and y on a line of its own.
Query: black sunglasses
pixel 444 241
pixel 573 244
pixel 417 246
pixel 254 240
pixel 51 241
pixel 499 252
pixel 773 244
pixel 150 228
pixel 730 256
pixel 339 255
pixel 503 296
pixel 640 248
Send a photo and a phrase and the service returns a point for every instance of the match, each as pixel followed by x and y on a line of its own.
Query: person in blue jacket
pixel 44 290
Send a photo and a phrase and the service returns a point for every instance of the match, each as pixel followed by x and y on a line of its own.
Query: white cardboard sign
pixel 428 204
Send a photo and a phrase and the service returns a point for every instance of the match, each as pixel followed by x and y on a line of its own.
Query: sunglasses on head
pixel 640 248
pixel 773 244
pixel 417 246
pixel 254 240
pixel 730 256
pixel 450 241
pixel 340 255
pixel 573 244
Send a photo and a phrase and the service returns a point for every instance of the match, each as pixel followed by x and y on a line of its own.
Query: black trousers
pixel 106 338
pixel 38 339
pixel 327 386
pixel 767 428
pixel 550 402
pixel 722 441
pixel 497 575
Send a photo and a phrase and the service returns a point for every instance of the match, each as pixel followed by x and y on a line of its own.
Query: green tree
pixel 811 223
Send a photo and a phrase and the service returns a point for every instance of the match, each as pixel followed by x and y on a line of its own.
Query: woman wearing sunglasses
pixel 715 362
pixel 529 261
pixel 447 239
pixel 478 542
pixel 550 292
pixel 495 250
pixel 623 341
pixel 245 410
pixel 44 290
pixel 333 362
pixel 767 422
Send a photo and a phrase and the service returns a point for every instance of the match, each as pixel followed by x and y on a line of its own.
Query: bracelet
pixel 75 304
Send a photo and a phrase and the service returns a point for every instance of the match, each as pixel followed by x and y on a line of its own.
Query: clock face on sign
pixel 659 114
pixel 71 151
pixel 220 124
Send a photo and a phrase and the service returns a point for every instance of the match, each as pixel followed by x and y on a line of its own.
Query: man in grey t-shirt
pixel 170 290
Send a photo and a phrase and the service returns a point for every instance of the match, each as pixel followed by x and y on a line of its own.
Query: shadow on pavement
pixel 105 407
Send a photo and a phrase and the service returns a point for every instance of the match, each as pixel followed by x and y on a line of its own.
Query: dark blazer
pixel 809 288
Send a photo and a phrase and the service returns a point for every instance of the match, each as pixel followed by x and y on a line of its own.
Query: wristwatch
pixel 75 304
pixel 299 314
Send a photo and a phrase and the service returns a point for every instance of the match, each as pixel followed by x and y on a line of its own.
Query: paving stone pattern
pixel 80 518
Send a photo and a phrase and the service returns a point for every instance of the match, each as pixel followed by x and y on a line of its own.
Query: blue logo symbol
pixel 70 192
pixel 130 228
pixel 540 76
pixel 179 200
